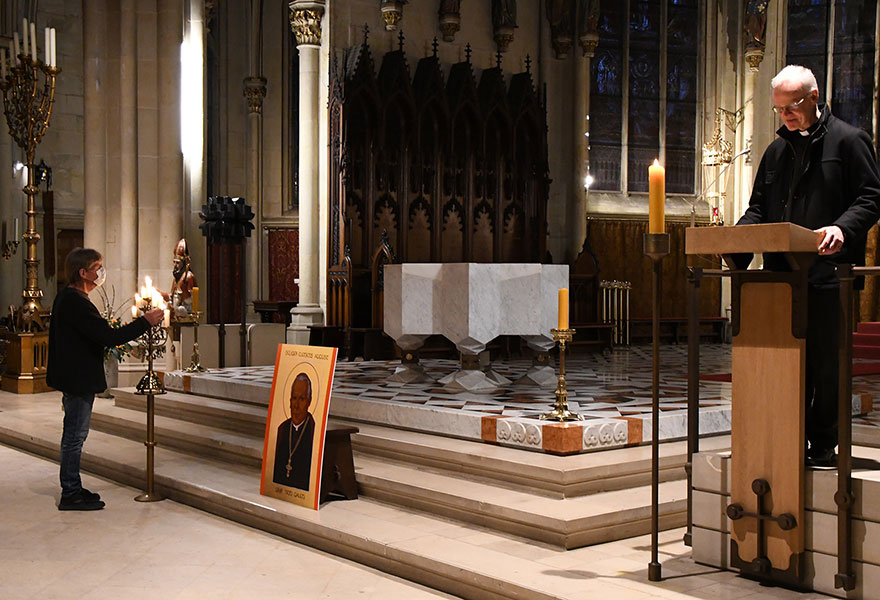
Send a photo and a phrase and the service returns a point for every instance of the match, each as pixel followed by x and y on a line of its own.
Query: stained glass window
pixel 852 97
pixel 853 36
pixel 681 95
pixel 643 116
pixel 606 99
pixel 808 37
pixel 628 73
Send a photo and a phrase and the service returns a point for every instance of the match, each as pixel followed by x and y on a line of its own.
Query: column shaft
pixel 578 227
pixel 128 219
pixel 308 175
pixel 170 184
pixel 94 125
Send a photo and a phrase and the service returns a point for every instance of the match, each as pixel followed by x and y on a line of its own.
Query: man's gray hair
pixel 795 74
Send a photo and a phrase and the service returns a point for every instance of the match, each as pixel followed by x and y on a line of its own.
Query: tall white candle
pixel 53 57
pixel 47 48
pixel 15 43
pixel 134 311
pixel 16 227
pixel 166 322
pixel 34 41
pixel 24 25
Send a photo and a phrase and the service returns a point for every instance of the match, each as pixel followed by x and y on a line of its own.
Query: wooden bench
pixel 674 326
pixel 337 474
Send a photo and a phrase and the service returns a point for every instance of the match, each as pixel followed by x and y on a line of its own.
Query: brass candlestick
pixel 28 95
pixel 153 345
pixel 560 410
pixel 656 246
pixel 193 319
pixel 9 248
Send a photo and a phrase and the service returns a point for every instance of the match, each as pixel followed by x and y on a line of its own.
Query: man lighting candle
pixel 78 335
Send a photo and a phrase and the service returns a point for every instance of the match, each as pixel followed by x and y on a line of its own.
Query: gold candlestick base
pixel 560 410
pixel 194 364
pixel 150 384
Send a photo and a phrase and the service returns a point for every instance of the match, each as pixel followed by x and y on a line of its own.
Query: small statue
pixel 180 294
pixel 504 13
pixel 756 24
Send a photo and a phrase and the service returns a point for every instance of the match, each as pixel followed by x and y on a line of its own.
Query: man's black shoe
pixel 821 458
pixel 90 495
pixel 81 500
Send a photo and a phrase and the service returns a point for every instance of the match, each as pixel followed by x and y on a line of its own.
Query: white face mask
pixel 100 276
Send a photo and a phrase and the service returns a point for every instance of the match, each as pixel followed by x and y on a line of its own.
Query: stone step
pixel 538 473
pixel 203 440
pixel 224 414
pixel 543 474
pixel 459 559
pixel 567 523
pixel 563 522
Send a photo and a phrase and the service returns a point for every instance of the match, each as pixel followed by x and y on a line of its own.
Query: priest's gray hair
pixel 795 74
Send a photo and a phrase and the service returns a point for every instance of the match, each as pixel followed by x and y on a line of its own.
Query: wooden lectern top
pixel 765 237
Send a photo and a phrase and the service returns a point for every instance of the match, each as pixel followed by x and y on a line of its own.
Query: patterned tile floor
pixel 611 385
pixel 606 386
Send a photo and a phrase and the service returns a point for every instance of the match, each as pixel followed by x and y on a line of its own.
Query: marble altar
pixel 471 304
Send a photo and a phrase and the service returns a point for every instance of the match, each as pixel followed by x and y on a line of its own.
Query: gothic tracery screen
pixel 448 166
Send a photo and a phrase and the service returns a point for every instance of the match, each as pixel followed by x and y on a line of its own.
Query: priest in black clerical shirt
pixel 293 446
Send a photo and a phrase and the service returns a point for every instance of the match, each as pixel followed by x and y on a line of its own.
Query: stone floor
pixel 167 550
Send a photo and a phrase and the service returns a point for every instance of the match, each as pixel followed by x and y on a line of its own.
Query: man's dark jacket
pixel 839 184
pixel 78 335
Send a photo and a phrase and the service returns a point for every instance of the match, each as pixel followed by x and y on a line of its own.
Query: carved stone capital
pixel 589 42
pixel 503 38
pixel 392 13
pixel 305 22
pixel 561 45
pixel 754 58
pixel 255 91
pixel 449 26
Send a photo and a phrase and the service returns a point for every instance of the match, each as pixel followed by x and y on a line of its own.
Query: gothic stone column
pixel 305 21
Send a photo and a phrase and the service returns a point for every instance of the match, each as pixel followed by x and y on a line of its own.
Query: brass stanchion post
pixel 560 410
pixel 656 246
pixel 845 578
pixel 153 343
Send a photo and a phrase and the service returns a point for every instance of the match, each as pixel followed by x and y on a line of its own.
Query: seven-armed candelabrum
pixel 152 344
pixel 28 86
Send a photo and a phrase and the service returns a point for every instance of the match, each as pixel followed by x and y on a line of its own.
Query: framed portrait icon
pixel 293 446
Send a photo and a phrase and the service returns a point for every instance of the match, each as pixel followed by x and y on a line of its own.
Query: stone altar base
pixel 711 528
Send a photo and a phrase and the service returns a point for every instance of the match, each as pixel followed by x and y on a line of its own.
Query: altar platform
pixel 612 391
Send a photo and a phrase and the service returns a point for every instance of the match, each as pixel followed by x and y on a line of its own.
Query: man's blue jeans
pixel 77 416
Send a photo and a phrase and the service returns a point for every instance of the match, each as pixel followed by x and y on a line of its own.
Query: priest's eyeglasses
pixel 790 108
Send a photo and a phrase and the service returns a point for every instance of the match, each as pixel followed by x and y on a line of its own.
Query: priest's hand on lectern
pixel 832 240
